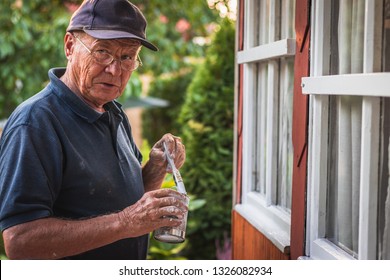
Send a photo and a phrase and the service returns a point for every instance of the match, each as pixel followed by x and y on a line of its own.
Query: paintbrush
pixel 175 172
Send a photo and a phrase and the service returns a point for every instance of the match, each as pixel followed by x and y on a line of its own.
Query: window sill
pixel 322 249
pixel 271 221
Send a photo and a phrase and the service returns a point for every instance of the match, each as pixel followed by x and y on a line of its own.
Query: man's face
pixel 96 83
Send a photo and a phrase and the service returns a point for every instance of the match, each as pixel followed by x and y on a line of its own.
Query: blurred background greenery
pixel 193 72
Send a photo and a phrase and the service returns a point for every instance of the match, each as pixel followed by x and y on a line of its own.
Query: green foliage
pixel 165 251
pixel 158 121
pixel 30 45
pixel 132 89
pixel 31 36
pixel 173 39
pixel 2 250
pixel 207 119
pixel 179 9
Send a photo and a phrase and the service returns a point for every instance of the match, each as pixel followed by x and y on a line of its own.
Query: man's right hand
pixel 152 211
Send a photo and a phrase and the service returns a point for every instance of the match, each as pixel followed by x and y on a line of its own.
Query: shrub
pixel 207 118
pixel 158 121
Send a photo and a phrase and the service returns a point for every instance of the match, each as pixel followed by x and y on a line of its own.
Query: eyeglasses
pixel 103 57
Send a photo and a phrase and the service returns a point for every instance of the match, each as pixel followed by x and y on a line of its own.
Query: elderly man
pixel 71 181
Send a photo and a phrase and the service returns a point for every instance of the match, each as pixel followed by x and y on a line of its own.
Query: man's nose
pixel 114 68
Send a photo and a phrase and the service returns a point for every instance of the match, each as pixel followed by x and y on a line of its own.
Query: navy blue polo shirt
pixel 60 158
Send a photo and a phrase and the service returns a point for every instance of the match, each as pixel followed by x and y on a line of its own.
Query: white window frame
pixel 260 211
pixel 320 85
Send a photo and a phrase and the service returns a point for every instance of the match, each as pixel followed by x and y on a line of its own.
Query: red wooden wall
pixel 249 244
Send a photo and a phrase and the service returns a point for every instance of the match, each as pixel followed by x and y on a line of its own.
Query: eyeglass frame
pixel 138 59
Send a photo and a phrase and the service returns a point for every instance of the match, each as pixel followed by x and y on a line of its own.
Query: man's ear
pixel 69 43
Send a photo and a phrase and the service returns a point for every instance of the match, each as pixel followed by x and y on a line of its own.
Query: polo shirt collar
pixel 75 103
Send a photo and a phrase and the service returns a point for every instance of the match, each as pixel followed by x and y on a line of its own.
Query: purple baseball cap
pixel 110 19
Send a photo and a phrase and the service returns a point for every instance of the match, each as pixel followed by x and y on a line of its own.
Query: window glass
pixel 384 184
pixel 263 12
pixel 386 37
pixel 285 151
pixel 261 99
pixel 345 114
pixel 344 172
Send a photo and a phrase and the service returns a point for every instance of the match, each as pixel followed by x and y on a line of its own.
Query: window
pixel 348 204
pixel 268 58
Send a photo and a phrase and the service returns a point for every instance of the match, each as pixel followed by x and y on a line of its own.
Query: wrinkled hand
pixel 176 150
pixel 151 211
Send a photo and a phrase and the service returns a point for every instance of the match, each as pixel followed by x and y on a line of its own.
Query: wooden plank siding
pixel 249 244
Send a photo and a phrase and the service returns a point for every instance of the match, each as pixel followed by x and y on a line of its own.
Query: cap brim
pixel 114 34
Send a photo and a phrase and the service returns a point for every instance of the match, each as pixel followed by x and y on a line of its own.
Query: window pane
pixel 253 107
pixel 384 168
pixel 384 184
pixel 344 172
pixel 345 127
pixel 288 19
pixel 285 153
pixel 386 37
pixel 347 37
pixel 263 19
pixel 384 171
pixel 261 125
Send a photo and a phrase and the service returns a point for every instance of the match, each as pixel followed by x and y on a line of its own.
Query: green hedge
pixel 207 130
pixel 158 121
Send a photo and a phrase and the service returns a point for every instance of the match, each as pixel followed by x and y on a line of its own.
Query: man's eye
pixel 126 57
pixel 102 51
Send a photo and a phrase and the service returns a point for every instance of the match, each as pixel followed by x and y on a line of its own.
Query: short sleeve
pixel 30 175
